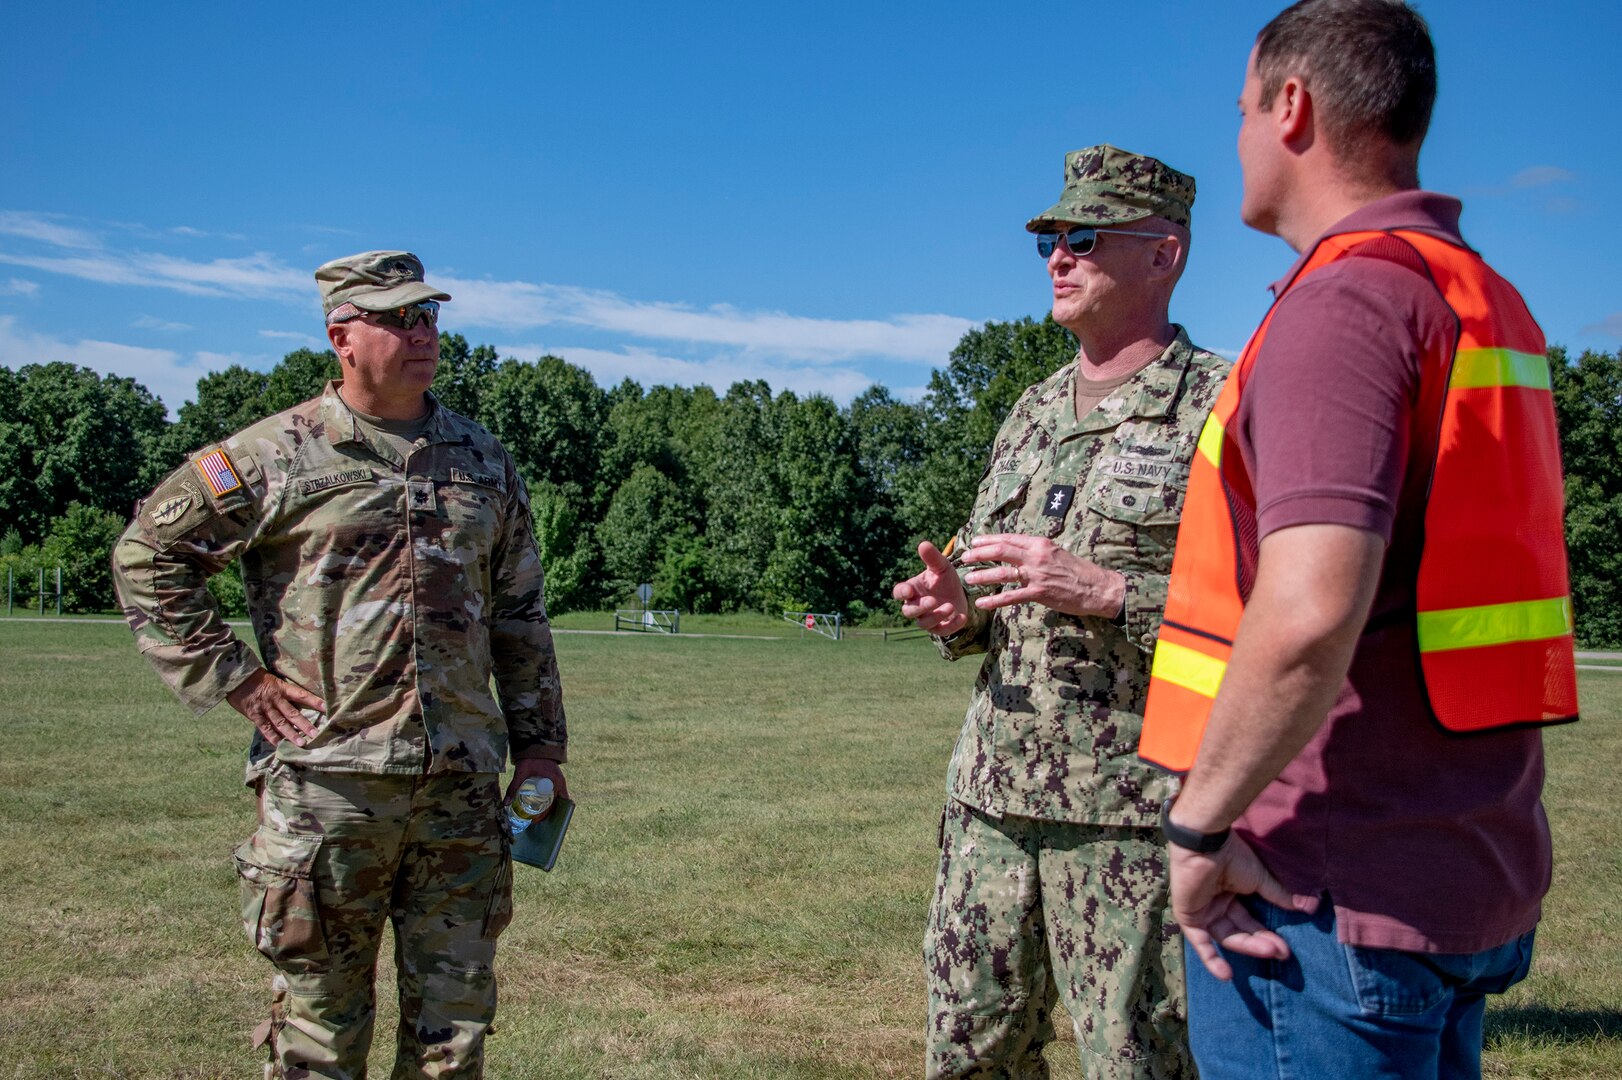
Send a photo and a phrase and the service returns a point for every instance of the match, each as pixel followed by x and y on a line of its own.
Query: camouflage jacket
pixel 1052 730
pixel 393 589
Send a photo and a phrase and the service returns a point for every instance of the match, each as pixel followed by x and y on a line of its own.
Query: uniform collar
pixel 1151 392
pixel 341 427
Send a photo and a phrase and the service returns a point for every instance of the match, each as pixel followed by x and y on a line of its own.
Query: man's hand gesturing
pixel 935 598
pixel 273 705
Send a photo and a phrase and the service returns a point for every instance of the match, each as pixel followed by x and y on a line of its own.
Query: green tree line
pixel 746 500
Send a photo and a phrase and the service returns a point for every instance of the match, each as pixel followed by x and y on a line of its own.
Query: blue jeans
pixel 1335 1010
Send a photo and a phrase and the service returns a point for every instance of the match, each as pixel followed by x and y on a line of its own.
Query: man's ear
pixel 338 334
pixel 1167 257
pixel 1293 113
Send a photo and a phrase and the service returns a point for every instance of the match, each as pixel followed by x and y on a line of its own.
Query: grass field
pixel 742 894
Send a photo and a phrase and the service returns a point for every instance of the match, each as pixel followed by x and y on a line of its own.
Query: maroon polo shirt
pixel 1423 840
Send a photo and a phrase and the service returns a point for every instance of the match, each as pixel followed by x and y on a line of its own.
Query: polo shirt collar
pixel 1421 211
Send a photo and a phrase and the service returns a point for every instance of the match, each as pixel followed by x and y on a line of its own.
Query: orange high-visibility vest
pixel 1493 601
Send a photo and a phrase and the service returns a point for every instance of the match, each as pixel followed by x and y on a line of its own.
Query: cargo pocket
pixel 1132 524
pixel 499 912
pixel 280 911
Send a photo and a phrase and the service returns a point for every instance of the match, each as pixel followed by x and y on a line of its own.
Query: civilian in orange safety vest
pixel 1368 615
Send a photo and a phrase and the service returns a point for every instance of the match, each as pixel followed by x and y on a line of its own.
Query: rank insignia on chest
pixel 218 473
pixel 1058 499
pixel 421 494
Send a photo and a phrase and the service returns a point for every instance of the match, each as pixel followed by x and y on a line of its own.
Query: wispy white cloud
pixel 19 287
pixel 522 305
pixel 162 371
pixel 1610 326
pixel 254 277
pixel 507 305
pixel 152 322
pixel 219 361
pixel 204 234
pixel 81 253
pixel 46 228
pixel 742 342
pixel 1541 176
pixel 308 341
pixel 719 372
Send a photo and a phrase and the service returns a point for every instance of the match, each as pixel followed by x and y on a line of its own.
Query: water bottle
pixel 529 803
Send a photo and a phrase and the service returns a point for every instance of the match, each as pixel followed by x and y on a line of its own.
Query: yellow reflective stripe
pixel 1494 624
pixel 1188 668
pixel 1474 368
pixel 1211 440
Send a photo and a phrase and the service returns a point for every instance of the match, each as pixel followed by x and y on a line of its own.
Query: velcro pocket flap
pixel 1003 494
pixel 280 911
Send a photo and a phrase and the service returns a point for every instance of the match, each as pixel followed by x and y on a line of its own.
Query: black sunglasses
pixel 404 318
pixel 1082 239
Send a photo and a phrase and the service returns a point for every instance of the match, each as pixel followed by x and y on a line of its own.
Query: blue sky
pixel 820 195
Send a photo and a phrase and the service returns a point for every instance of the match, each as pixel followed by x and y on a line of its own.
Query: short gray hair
pixel 343 313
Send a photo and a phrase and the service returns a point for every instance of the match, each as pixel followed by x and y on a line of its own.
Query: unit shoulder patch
pixel 176 508
pixel 169 511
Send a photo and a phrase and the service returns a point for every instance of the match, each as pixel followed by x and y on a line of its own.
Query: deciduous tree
pixel 1588 404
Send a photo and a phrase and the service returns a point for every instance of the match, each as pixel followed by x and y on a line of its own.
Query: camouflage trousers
pixel 1026 911
pixel 335 856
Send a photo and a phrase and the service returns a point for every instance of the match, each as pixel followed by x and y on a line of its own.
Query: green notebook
pixel 539 844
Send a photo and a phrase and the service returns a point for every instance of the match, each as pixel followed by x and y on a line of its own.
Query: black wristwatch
pixel 1203 842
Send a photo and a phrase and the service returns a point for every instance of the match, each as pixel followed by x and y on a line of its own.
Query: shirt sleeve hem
pixel 1326 508
pixel 1143 607
pixel 541 751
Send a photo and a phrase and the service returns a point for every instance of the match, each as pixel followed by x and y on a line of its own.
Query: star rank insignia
pixel 1058 500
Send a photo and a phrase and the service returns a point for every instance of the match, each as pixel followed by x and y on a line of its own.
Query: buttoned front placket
pixel 423 504
pixel 1027 746
pixel 420 500
pixel 417 497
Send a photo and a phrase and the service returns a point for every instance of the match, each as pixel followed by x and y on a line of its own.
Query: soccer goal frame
pixel 648 620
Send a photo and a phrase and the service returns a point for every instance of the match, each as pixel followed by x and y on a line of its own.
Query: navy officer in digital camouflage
pixel 386 551
pixel 1052 882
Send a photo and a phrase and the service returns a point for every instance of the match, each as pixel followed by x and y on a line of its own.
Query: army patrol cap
pixel 374 281
pixel 1104 185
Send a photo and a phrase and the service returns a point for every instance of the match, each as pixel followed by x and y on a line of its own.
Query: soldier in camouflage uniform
pixel 1052 877
pixel 387 554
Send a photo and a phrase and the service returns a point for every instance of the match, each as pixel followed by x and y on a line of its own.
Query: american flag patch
pixel 217 472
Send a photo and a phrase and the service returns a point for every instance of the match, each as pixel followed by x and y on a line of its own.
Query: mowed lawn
pixel 742 893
